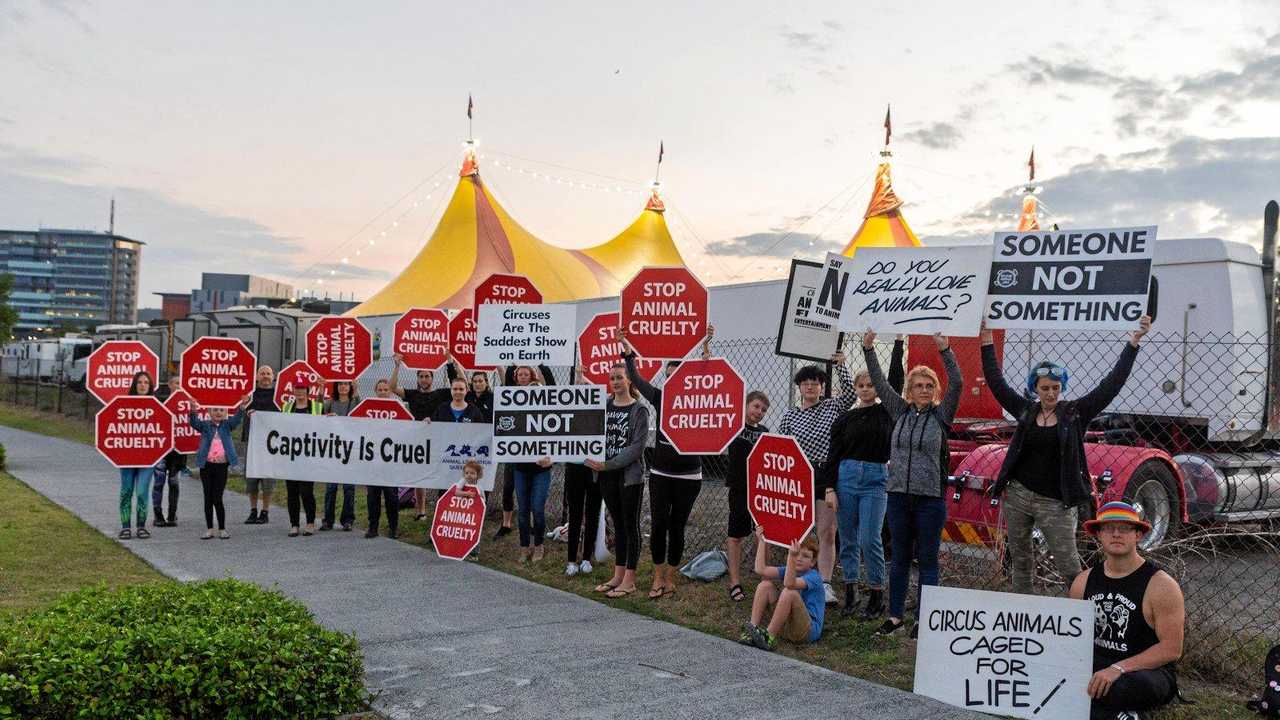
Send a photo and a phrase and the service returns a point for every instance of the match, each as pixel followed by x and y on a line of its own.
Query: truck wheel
pixel 1152 491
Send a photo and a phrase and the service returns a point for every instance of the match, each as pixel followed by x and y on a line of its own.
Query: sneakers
pixel 502 532
pixel 262 518
pixel 224 535
pixel 538 553
pixel 746 637
pixel 371 534
pixel 571 569
pixel 761 638
pixel 584 567
pixel 346 527
pixel 473 557
pixel 889 627
pixel 253 517
pixel 326 526
pixel 830 592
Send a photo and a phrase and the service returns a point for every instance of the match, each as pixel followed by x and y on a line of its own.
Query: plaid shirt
pixel 811 426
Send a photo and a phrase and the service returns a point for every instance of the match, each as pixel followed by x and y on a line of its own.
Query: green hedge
pixel 214 649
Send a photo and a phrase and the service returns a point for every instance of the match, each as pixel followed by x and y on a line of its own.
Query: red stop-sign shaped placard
pixel 113 365
pixel 462 340
pixel 218 371
pixel 381 408
pixel 780 494
pixel 295 372
pixel 599 348
pixel 505 289
pixel 458 521
pixel 185 438
pixel 421 335
pixel 339 348
pixel 134 431
pixel 703 406
pixel 664 312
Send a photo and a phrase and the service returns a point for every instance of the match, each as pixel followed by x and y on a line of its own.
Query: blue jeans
pixel 862 500
pixel 348 515
pixel 915 524
pixel 135 489
pixel 531 499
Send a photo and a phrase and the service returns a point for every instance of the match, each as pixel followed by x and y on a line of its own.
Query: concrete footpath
pixel 454 640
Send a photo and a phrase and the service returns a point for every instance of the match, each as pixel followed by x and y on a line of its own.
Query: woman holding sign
pixel 1043 475
pixel 513 375
pixel 675 480
pixel 853 482
pixel 621 478
pixel 135 482
pixel 918 467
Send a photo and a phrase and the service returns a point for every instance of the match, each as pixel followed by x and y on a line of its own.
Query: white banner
pixel 563 422
pixel 1071 279
pixel 1012 655
pixel 801 332
pixel 917 290
pixel 526 334
pixel 366 451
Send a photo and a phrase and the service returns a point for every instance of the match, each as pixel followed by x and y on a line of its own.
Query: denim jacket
pixel 207 429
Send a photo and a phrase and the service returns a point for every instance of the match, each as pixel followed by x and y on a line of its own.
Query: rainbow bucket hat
pixel 1116 512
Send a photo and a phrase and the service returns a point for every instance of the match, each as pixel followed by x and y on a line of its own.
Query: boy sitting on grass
pixel 795 591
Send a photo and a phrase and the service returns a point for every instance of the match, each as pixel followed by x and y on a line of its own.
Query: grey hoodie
pixel 630 457
pixel 919 436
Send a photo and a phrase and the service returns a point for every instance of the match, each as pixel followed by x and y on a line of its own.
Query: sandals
pixel 619 593
pixel 208 535
pixel 143 533
pixel 606 587
pixel 660 592
pixel 125 534
pixel 737 594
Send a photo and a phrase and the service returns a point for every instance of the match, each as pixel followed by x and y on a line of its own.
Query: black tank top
pixel 1120 629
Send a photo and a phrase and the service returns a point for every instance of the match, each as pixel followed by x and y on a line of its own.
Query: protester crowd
pixel 879 445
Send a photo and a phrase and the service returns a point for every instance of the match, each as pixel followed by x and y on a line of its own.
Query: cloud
pixel 773 243
pixel 1257 79
pixel 19 14
pixel 340 271
pixel 182 239
pixel 808 41
pixel 22 160
pixel 782 84
pixel 1037 71
pixel 1193 187
pixel 938 136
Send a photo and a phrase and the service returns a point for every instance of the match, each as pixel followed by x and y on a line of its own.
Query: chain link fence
pixel 1185 440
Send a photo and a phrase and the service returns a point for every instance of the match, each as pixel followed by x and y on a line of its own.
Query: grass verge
pixel 46 551
pixel 847 646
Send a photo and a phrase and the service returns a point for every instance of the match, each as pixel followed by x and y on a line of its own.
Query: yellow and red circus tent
pixel 474 239
pixel 645 242
pixel 883 224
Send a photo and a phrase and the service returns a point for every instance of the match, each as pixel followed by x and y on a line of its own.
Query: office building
pixel 70 279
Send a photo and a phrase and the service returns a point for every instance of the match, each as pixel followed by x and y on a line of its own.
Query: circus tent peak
pixel 645 242
pixel 475 238
pixel 883 224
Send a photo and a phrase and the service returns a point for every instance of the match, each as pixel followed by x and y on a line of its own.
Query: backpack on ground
pixel 706 566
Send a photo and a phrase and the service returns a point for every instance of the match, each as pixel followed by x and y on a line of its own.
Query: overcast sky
pixel 259 137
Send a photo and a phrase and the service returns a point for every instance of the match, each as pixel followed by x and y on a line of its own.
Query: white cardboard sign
pixel 1011 655
pixel 917 290
pixel 801 332
pixel 1094 279
pixel 526 334
pixel 396 453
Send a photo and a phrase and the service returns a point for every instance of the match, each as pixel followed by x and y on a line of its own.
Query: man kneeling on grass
pixel 795 593
pixel 1139 619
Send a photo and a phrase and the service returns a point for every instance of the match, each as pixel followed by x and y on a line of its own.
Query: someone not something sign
pixel 526 334
pixel 916 290
pixel 1070 279
pixel 563 422
pixel 1012 655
